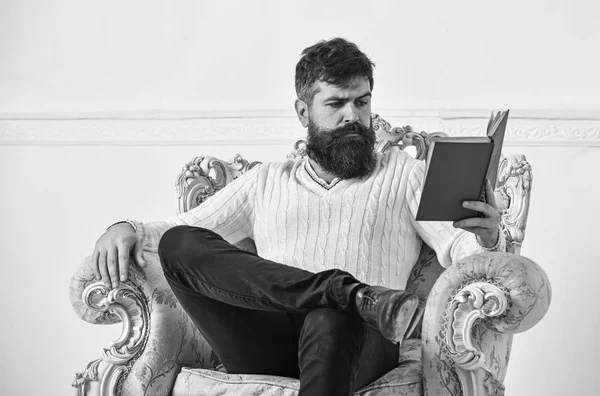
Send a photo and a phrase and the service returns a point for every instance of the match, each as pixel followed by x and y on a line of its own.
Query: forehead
pixel 357 87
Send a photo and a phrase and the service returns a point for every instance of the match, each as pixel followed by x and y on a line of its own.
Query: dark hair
pixel 336 62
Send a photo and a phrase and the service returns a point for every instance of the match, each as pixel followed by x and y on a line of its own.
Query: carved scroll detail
pixel 474 302
pixel 514 187
pixel 102 376
pixel 402 137
pixel 204 176
pixel 299 150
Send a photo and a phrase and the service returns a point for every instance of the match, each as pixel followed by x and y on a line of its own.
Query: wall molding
pixel 272 127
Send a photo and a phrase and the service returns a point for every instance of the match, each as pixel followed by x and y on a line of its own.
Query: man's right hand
pixel 112 253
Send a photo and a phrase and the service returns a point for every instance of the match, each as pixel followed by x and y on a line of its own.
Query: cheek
pixel 329 119
pixel 365 118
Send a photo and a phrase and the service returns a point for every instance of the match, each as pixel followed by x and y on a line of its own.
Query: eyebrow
pixel 337 98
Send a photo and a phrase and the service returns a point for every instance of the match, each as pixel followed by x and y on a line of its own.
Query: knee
pixel 327 325
pixel 179 241
pixel 326 320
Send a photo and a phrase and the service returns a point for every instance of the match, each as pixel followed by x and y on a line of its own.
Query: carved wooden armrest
pixel 102 376
pixel 157 337
pixel 472 311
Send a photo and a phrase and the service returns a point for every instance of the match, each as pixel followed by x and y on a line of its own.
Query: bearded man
pixel 336 239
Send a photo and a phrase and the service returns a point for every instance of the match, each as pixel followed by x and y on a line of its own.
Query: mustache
pixel 346 129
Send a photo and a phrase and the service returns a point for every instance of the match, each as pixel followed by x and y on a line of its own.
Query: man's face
pixel 340 137
pixel 334 106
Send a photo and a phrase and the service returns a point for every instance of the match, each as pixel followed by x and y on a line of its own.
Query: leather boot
pixel 395 313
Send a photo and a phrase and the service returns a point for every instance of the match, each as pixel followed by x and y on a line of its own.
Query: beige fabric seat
pixel 404 380
pixel 473 307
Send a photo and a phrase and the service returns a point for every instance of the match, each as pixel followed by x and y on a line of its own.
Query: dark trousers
pixel 262 317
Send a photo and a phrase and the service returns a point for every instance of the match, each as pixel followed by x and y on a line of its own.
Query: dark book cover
pixel 456 172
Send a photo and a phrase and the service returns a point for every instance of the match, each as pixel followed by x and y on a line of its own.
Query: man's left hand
pixel 486 228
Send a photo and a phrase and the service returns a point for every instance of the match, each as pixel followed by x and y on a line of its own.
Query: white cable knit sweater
pixel 363 226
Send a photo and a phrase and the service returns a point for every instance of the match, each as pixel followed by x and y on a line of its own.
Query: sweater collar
pixel 313 175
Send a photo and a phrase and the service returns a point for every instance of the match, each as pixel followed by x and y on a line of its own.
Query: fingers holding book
pixel 486 227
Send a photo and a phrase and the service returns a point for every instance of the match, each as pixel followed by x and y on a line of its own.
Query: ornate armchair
pixel 473 307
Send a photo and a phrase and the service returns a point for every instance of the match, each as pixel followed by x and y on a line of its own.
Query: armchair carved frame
pixel 473 307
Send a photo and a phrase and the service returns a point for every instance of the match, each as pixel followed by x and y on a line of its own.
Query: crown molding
pixel 272 127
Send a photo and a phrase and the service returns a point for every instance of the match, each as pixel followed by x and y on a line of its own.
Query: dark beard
pixel 343 156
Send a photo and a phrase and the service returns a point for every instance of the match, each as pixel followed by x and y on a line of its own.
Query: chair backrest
pixel 203 176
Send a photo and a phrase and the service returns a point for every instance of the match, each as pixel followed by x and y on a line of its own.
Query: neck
pixel 328 177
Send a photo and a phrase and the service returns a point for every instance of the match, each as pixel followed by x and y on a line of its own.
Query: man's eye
pixel 336 105
pixel 363 103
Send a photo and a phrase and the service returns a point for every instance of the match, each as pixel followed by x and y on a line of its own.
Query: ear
pixel 302 112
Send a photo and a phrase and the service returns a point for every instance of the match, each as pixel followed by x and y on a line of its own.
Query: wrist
pixel 488 243
pixel 493 246
pixel 130 222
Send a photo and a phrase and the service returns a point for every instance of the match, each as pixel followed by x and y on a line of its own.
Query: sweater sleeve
pixel 450 244
pixel 229 213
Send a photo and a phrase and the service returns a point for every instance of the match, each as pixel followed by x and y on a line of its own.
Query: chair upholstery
pixel 404 380
pixel 473 307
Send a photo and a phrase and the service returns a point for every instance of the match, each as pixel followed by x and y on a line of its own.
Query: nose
pixel 350 113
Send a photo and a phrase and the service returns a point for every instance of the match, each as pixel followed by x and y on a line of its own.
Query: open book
pixel 456 171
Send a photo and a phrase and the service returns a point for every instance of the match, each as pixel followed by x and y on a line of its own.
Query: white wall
pixel 68 58
pixel 74 55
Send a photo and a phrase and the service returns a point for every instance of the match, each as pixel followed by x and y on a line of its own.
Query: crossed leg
pixel 262 317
